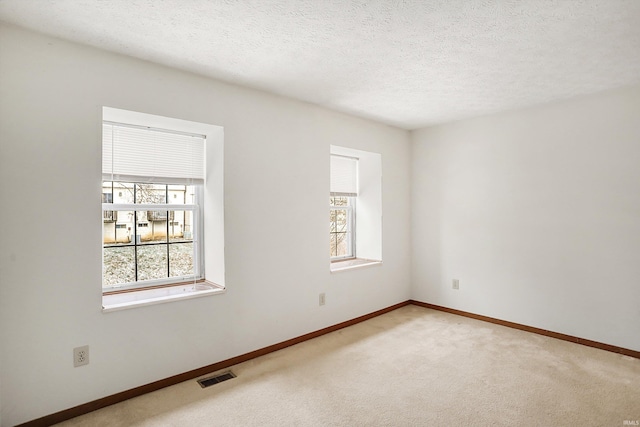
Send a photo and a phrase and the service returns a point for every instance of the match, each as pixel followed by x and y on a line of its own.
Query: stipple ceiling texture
pixel 408 63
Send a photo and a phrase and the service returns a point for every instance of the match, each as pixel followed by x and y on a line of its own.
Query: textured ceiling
pixel 402 62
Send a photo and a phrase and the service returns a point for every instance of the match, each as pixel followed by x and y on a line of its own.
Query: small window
pixel 355 208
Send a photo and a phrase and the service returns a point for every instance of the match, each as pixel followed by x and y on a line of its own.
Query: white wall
pixel 537 213
pixel 51 99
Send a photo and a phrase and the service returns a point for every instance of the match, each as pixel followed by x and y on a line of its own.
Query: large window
pixel 162 209
pixel 152 194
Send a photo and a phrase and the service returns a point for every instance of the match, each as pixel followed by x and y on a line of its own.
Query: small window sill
pixel 126 300
pixel 353 263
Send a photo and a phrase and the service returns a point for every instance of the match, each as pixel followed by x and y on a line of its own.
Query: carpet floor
pixel 410 367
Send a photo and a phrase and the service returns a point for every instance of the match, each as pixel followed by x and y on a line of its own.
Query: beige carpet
pixel 410 367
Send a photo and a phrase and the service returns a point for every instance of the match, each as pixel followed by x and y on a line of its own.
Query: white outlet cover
pixel 80 356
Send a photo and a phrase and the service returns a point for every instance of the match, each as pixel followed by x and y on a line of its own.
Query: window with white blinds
pixel 141 154
pixel 344 176
pixel 355 208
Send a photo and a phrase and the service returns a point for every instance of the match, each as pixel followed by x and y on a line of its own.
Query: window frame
pixel 197 239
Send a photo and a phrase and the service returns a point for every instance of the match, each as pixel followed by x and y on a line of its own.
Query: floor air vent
pixel 206 382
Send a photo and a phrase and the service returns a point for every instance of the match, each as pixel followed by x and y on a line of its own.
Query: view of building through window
pixel 150 243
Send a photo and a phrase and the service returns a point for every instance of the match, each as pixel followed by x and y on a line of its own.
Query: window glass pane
pixel 123 192
pixel 332 245
pixel 181 259
pixel 109 216
pixel 117 227
pixel 339 245
pixel 151 193
pixel 118 265
pixel 340 201
pixel 151 226
pixel 181 226
pixel 152 262
pixel 107 197
pixel 341 220
pixel 190 194
pixel 332 220
pixel 124 227
pixel 342 248
pixel 180 194
pixel 107 192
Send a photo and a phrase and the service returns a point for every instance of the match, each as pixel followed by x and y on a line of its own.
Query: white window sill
pixel 127 300
pixel 351 264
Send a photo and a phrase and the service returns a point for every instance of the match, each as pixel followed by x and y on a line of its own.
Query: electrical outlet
pixel 456 284
pixel 80 356
pixel 321 299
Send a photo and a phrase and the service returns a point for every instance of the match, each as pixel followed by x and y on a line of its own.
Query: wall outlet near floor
pixel 80 356
pixel 321 299
pixel 456 284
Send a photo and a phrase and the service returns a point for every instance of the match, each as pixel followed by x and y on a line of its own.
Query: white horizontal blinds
pixel 344 176
pixel 141 154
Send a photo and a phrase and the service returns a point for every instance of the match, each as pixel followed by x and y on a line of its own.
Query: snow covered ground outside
pixel 119 262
